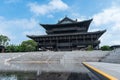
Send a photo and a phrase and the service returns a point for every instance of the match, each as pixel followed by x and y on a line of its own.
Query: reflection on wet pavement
pixel 43 76
pixel 53 67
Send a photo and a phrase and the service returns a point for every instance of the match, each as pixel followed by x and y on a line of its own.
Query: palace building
pixel 67 34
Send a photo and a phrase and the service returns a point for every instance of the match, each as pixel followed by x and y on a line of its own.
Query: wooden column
pixel 69 42
pixel 56 43
pixel 76 41
pixel 83 38
pixel 44 43
pixel 50 44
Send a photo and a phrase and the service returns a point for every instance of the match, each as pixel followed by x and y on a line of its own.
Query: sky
pixel 19 18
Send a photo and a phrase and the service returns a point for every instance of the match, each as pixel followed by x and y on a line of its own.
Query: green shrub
pixel 105 48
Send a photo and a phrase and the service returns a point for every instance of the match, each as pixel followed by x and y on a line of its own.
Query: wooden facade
pixel 67 34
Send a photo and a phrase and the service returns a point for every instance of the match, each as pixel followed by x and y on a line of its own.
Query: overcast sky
pixel 19 18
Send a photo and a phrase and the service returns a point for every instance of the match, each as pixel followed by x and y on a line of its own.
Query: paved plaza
pixel 64 61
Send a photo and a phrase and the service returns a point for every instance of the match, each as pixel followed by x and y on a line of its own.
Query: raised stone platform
pixel 112 57
pixel 56 57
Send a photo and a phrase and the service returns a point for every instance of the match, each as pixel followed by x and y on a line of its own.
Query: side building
pixel 67 34
pixel 2 49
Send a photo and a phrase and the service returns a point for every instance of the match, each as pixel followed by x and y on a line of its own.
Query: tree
pixel 28 45
pixel 25 46
pixel 13 48
pixel 4 40
pixel 105 48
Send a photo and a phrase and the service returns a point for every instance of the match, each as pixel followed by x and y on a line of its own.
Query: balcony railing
pixel 86 42
pixel 69 43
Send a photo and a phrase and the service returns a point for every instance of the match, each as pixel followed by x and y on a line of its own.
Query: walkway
pixel 105 71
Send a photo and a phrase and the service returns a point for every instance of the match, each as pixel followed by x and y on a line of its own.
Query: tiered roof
pixel 68 22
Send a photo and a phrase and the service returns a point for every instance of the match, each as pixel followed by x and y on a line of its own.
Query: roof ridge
pixel 66 18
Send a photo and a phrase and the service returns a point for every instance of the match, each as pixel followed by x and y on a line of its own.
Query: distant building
pixel 2 49
pixel 68 34
pixel 115 46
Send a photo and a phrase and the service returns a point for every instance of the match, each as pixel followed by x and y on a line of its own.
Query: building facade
pixel 67 34
pixel 2 49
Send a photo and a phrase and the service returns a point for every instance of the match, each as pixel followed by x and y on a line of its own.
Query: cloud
pixel 14 28
pixel 50 16
pixel 18 23
pixel 52 6
pixel 107 16
pixel 34 32
pixel 3 32
pixel 23 23
pixel 116 42
pixel 109 19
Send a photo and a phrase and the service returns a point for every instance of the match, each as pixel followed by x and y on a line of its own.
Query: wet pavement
pixel 43 67
pixel 44 71
pixel 44 76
